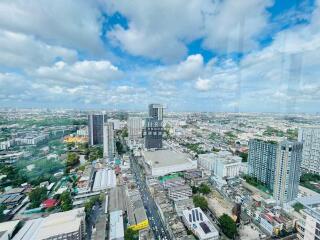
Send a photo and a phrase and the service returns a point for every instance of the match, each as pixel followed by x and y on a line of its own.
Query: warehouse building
pixel 163 162
pixel 104 179
pixel 62 225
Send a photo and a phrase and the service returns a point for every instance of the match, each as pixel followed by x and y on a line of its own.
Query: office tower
pixel 108 141
pixel 156 111
pixel 154 127
pixel 134 127
pixel 95 128
pixel 261 161
pixel 287 171
pixel 310 137
pixel 153 133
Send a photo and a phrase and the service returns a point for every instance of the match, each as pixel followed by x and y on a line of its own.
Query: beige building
pixel 69 225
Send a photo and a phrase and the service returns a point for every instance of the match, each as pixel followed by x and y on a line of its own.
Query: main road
pixel 155 221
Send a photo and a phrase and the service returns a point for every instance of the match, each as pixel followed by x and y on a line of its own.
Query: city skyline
pixel 125 56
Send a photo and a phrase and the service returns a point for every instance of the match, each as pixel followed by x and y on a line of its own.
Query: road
pixel 155 221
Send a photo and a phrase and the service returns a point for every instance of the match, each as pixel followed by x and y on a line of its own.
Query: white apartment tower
pixel 287 171
pixel 310 137
pixel 108 141
pixel 134 127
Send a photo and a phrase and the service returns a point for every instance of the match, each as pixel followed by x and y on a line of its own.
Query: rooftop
pixel 200 224
pixel 116 225
pixel 53 225
pixel 164 158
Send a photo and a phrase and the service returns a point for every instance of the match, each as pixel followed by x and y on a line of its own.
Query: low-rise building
pixel 163 162
pixel 104 179
pixel 116 230
pixel 179 192
pixel 197 222
pixel 308 223
pixel 222 164
pixel 62 225
pixel 7 229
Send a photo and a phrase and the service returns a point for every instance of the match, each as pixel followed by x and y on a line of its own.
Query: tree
pixel 119 147
pixel 244 156
pixel 37 196
pixel 2 216
pixel 66 201
pixel 124 133
pixel 92 201
pixel 228 226
pixel 200 202
pixel 298 206
pixel 204 188
pixel 130 234
pixel 95 153
pixel 72 159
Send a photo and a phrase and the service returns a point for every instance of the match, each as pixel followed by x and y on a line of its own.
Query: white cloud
pixel 22 51
pixel 83 72
pixel 189 69
pixel 161 30
pixel 203 84
pixel 234 26
pixel 72 23
pixel 158 29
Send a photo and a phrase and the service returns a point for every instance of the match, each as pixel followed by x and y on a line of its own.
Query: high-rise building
pixel 287 171
pixel 156 111
pixel 261 161
pixel 134 127
pixel 310 137
pixel 154 127
pixel 95 128
pixel 153 133
pixel 108 141
pixel 277 165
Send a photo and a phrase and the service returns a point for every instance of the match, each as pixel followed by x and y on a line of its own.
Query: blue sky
pixel 199 55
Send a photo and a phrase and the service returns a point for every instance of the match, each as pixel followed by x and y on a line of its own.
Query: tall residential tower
pixel 310 136
pixel 108 141
pixel 95 128
pixel 278 166
pixel 154 127
pixel 287 171
pixel 261 161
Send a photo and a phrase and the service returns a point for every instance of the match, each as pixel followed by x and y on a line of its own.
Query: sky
pixel 195 55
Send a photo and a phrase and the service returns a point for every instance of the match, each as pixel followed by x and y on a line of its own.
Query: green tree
pixel 244 156
pixel 130 234
pixel 2 216
pixel 95 153
pixel 204 188
pixel 200 201
pixel 72 159
pixel 228 226
pixel 37 196
pixel 298 206
pixel 92 201
pixel 119 147
pixel 66 201
pixel 124 133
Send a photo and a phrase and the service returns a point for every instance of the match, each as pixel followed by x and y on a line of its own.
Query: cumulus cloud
pixel 82 72
pixel 203 84
pixel 234 26
pixel 158 30
pixel 162 30
pixel 188 69
pixel 22 51
pixel 72 24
